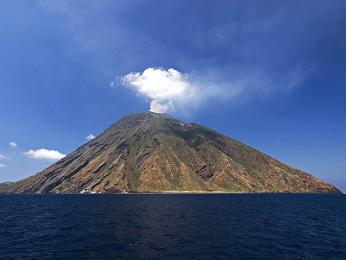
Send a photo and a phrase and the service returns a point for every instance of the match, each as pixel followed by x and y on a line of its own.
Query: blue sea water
pixel 262 226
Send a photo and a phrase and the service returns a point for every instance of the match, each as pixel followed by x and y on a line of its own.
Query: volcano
pixel 150 152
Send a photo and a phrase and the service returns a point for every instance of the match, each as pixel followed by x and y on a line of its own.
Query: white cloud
pixel 169 90
pixel 90 137
pixel 2 157
pixel 12 144
pixel 44 154
pixel 2 165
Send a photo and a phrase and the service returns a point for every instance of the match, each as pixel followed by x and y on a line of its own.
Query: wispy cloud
pixel 2 165
pixel 253 54
pixel 234 56
pixel 90 137
pixel 169 90
pixel 12 144
pixel 44 154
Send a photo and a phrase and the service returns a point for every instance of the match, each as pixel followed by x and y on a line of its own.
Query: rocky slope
pixel 149 152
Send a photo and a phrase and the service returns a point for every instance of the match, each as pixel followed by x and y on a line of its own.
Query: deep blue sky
pixel 57 59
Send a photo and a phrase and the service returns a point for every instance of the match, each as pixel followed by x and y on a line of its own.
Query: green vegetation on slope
pixel 149 152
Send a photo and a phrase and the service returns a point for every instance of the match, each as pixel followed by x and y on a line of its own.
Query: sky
pixel 271 74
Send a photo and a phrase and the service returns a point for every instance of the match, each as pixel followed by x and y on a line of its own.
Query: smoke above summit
pixel 168 90
pixel 165 89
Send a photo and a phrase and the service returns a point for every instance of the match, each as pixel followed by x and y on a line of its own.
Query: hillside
pixel 149 152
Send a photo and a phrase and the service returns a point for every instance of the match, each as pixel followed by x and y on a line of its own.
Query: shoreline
pixel 182 193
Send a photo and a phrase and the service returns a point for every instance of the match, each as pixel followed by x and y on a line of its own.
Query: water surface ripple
pixel 263 226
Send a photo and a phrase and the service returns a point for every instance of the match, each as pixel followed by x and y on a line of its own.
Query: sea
pixel 173 226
